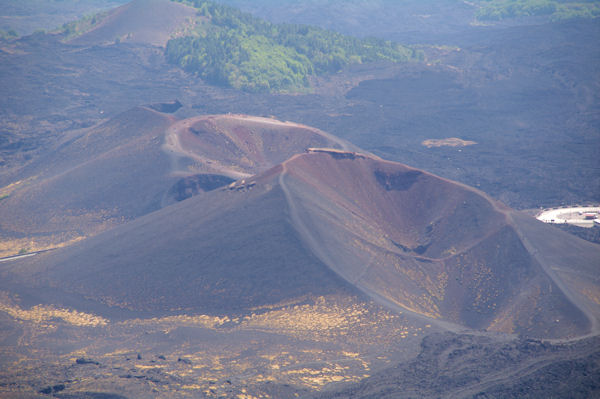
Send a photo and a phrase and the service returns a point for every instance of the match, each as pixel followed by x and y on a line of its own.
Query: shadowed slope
pixel 410 240
pixel 94 179
pixel 137 163
pixel 225 251
pixel 139 21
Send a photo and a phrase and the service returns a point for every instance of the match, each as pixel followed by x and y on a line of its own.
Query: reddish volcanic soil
pixel 136 163
pixel 435 247
pixel 330 221
pixel 240 146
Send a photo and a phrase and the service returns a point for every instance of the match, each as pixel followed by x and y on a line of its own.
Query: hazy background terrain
pixel 179 230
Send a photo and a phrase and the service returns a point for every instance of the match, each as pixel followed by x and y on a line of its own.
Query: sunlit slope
pixel 336 222
pixel 438 248
pixel 239 146
pixel 574 263
pixel 139 21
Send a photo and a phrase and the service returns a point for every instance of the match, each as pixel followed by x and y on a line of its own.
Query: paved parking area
pixel 576 215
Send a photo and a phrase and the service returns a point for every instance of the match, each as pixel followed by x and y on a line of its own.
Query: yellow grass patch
pixel 43 313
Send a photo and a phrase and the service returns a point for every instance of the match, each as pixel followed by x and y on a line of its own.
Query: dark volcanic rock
pixel 192 185
pixel 468 366
pixel 90 395
pixel 166 108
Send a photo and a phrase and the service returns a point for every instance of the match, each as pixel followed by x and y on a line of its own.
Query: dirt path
pixel 509 375
pixel 317 250
pixel 15 257
pixel 346 146
pixel 173 147
pixel 559 283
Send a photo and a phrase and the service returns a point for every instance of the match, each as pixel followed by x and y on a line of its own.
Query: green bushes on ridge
pixel 497 10
pixel 76 28
pixel 7 35
pixel 232 48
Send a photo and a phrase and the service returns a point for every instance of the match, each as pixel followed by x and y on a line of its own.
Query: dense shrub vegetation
pixel 496 10
pixel 10 34
pixel 76 28
pixel 228 47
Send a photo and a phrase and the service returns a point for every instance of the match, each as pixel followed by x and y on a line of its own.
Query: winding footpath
pixel 316 249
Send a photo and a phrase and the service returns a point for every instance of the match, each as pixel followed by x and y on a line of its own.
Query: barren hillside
pixel 140 21
pixel 331 221
pixel 134 164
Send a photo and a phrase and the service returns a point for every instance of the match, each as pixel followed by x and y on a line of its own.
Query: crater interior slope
pixel 334 221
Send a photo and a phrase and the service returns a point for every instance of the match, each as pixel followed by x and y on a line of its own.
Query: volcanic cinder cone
pixel 333 221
